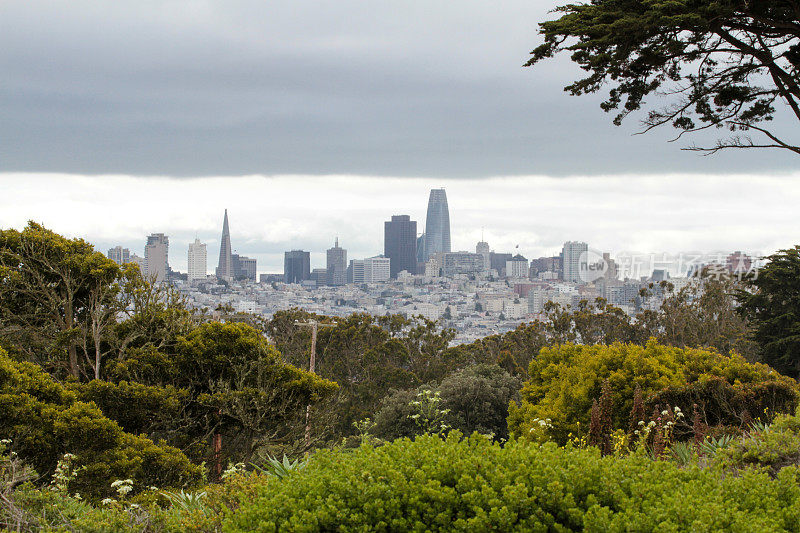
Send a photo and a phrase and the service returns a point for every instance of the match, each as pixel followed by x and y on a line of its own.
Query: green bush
pixel 476 399
pixel 564 381
pixel 431 484
pixel 45 421
pixel 772 448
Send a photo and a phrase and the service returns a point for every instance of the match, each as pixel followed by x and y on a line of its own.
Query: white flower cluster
pixel 542 423
pixel 123 486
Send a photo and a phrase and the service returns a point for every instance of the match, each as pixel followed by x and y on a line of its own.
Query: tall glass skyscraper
pixel 437 224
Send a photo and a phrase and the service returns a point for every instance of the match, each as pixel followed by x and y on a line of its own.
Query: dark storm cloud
pixel 388 88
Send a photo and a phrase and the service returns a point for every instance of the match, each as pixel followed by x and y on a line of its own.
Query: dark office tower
pixel 421 248
pixel 437 224
pixel 296 266
pixel 498 262
pixel 336 267
pixel 225 268
pixel 400 244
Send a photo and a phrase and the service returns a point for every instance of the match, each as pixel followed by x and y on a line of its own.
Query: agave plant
pixel 682 452
pixel 712 445
pixel 280 469
pixel 757 426
pixel 188 501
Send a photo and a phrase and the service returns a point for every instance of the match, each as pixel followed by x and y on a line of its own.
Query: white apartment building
pixel 571 254
pixel 371 270
pixel 198 260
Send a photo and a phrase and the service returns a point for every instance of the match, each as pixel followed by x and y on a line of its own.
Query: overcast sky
pixel 311 119
pixel 411 88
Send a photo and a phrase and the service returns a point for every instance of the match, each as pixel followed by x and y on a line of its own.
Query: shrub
pixel 45 421
pixel 476 399
pixel 431 484
pixel 565 380
pixel 770 448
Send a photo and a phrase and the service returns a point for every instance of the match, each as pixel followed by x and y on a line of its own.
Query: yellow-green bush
pixel 564 380
pixel 45 421
pixel 431 484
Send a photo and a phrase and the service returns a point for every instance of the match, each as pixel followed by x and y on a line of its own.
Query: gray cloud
pixel 392 88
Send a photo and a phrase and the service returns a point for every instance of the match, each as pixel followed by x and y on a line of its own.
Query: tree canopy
pixel 772 304
pixel 723 63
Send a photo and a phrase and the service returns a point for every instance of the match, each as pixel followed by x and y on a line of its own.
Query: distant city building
pixel 320 276
pixel 546 268
pixel 659 275
pixel 454 263
pixel 483 249
pixel 336 265
pixel 437 224
pixel 421 249
pixel 140 262
pixel 371 270
pixel 244 268
pixel 738 263
pixel 517 267
pixel 433 267
pixel 156 257
pixel 613 269
pixel 198 260
pixel 225 268
pixel 296 266
pixel 400 244
pixel 119 255
pixel 571 254
pixel 498 262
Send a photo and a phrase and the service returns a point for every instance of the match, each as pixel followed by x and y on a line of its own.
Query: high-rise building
pixel 421 249
pixel 570 258
pixel 296 266
pixel 225 269
pixel 198 260
pixel 371 270
pixel 517 267
pixel 400 244
pixel 119 255
pixel 243 267
pixel 336 266
pixel 461 263
pixel 498 262
pixel 156 257
pixel 437 224
pixel 483 249
pixel 320 276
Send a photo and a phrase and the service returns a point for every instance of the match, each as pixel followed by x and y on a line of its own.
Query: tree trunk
pixel 72 349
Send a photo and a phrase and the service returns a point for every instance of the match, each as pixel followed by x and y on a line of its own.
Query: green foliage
pixel 476 399
pixel 367 356
pixel 772 449
pixel 772 304
pixel 722 63
pixel 281 468
pixel 219 378
pixel 432 484
pixel 55 298
pixel 46 421
pixel 565 380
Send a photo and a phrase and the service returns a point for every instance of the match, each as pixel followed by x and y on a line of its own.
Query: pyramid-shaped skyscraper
pixel 225 268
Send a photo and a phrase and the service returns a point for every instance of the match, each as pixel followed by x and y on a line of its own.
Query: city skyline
pixel 538 213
